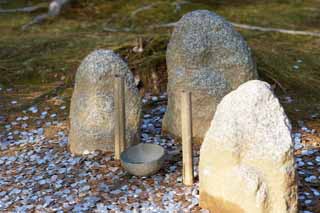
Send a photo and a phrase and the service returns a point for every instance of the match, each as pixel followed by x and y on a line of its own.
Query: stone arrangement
pixel 92 104
pixel 208 57
pixel 50 179
pixel 246 159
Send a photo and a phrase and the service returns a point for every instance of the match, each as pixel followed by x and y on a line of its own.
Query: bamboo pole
pixel 186 132
pixel 120 122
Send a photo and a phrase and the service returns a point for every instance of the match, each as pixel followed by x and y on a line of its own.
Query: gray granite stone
pixel 92 104
pixel 209 58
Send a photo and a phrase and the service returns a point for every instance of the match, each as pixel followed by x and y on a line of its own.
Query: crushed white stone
pixel 37 173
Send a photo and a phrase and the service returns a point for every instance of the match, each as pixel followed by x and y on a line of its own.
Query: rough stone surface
pixel 246 160
pixel 92 104
pixel 209 58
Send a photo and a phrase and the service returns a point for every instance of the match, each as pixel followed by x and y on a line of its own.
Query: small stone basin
pixel 143 159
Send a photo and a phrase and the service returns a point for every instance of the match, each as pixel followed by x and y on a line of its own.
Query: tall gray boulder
pixel 246 160
pixel 92 103
pixel 208 57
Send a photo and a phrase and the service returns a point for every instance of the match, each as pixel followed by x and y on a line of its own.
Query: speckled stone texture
pixel 209 58
pixel 92 104
pixel 246 160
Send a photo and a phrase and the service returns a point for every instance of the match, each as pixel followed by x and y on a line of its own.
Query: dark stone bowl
pixel 143 159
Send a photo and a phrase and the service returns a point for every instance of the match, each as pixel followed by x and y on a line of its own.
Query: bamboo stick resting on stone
pixel 92 110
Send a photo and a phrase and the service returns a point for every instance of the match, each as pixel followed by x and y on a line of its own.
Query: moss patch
pixel 51 52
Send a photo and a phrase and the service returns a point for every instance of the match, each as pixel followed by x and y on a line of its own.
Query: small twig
pixel 119 30
pixel 255 28
pixel 25 9
pixel 278 84
pixel 263 29
pixel 168 25
pixel 54 10
pixel 37 20
pixel 144 8
pixel 3 68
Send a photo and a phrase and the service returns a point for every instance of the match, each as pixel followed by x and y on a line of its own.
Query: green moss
pixel 277 55
pixel 53 51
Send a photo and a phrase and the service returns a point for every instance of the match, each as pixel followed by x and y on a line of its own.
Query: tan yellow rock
pixel 246 159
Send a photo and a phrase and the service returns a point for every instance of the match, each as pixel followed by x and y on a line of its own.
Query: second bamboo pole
pixel 186 133
pixel 120 122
